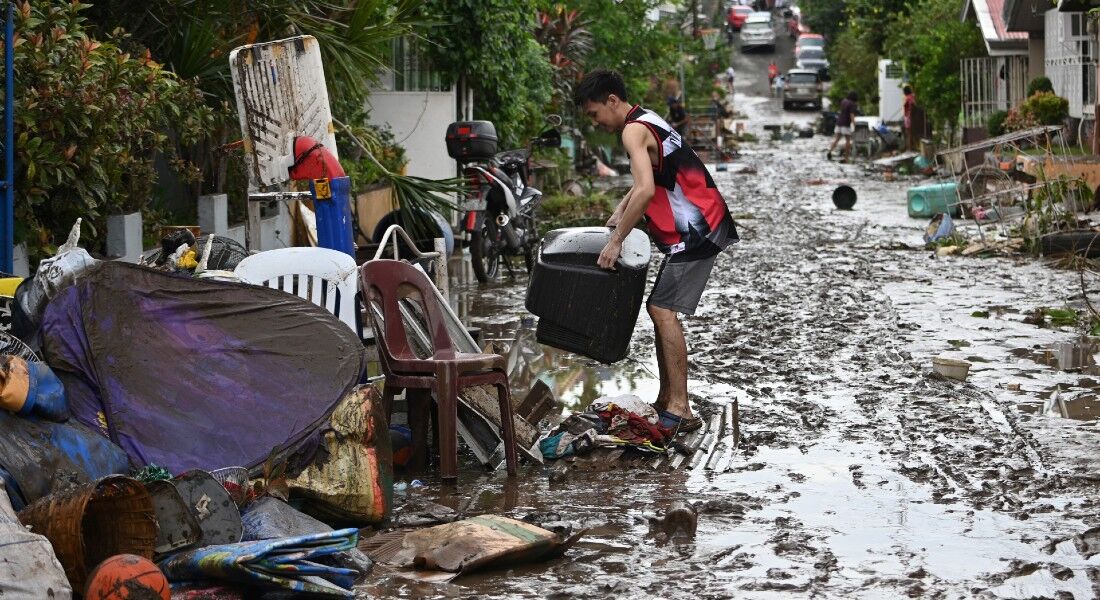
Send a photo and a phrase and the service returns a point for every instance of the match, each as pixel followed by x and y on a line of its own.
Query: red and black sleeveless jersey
pixel 687 218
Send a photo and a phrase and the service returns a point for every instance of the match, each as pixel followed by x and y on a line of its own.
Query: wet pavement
pixel 860 473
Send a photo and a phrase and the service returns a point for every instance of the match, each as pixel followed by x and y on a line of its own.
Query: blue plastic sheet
pixel 286 564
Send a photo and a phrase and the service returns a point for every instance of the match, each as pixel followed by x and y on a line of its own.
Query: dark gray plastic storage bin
pixel 581 307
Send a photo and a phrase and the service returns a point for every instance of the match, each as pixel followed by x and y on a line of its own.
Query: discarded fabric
pixel 31 388
pixel 354 482
pixel 43 457
pixel 286 564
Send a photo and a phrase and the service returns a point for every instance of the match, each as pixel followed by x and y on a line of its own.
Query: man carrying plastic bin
pixel 686 218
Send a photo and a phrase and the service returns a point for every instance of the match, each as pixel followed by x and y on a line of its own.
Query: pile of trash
pixel 210 427
pixel 191 436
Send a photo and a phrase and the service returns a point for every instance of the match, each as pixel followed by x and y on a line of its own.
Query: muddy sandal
pixel 679 424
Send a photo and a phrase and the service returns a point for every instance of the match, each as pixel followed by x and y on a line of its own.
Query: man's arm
pixel 617 215
pixel 635 140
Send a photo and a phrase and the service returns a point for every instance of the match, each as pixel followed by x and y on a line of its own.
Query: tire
pixel 786 105
pixel 484 257
pixel 1081 243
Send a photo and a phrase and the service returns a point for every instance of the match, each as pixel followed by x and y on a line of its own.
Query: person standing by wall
pixel 907 110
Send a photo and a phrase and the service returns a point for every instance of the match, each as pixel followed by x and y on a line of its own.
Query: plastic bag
pixel 29 569
pixel 53 274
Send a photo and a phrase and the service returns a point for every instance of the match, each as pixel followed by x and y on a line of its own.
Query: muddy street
pixel 859 473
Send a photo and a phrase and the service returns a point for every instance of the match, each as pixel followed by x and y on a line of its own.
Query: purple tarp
pixel 189 373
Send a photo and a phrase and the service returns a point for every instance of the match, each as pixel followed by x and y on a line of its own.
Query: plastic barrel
pixel 334 215
pixel 925 201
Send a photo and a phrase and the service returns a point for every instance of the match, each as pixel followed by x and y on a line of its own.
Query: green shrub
pixel 1039 84
pixel 90 122
pixel 1046 108
pixel 561 210
pixel 996 123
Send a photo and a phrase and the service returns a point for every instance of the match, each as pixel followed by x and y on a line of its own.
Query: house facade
pixel 997 81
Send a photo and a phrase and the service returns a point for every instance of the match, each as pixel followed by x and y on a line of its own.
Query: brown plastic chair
pixel 445 374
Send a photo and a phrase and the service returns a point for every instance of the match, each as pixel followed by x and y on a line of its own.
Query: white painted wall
pixel 1064 60
pixel 419 122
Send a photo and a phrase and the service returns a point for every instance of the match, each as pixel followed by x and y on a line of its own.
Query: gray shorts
pixel 680 285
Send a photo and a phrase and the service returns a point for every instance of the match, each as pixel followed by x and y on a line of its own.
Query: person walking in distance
pixel 845 119
pixel 686 217
pixel 773 72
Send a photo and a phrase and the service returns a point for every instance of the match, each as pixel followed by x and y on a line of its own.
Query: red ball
pixel 127 577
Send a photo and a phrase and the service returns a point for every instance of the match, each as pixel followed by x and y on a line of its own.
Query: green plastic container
pixel 926 201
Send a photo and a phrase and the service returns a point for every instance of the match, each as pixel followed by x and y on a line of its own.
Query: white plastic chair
pixel 325 277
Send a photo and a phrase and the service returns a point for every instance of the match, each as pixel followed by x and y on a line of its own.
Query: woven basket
pixel 93 522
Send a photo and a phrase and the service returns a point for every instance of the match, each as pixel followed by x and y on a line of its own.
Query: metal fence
pixel 990 84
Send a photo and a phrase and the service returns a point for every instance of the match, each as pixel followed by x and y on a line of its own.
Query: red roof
pixel 997 12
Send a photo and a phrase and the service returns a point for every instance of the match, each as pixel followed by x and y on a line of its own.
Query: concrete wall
pixel 419 122
pixel 1036 57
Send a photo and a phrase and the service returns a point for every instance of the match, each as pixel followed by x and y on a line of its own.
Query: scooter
pixel 501 207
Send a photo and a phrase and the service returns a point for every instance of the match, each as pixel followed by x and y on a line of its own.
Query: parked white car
pixel 757 35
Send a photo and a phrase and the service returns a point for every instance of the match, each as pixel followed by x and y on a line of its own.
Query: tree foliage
pixel 643 52
pixel 854 66
pixel 929 42
pixel 194 37
pixel 90 119
pixel 565 35
pixel 488 43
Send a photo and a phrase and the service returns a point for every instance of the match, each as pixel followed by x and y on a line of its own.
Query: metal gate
pixel 990 84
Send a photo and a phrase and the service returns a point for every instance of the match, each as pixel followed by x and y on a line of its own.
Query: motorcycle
pixel 501 207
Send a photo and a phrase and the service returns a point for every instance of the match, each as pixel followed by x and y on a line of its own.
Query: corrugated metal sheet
pixel 281 94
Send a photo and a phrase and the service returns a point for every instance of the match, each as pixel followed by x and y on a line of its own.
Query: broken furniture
pixel 992 191
pixel 385 283
pixel 327 278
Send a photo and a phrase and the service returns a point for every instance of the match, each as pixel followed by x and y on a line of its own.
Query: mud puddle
pixel 859 475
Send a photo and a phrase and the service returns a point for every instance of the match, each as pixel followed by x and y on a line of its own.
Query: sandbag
pixel 31 388
pixel 351 480
pixel 29 569
pixel 45 458
pixel 198 374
